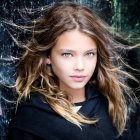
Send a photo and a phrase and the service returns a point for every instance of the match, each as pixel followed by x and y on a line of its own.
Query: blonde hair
pixel 109 76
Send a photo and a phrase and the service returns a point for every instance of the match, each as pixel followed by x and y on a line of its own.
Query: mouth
pixel 78 78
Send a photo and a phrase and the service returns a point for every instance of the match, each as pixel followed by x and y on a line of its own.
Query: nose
pixel 79 64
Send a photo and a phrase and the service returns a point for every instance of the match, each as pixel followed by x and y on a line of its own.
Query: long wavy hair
pixel 109 76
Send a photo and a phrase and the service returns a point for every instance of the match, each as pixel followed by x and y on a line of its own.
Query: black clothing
pixel 35 120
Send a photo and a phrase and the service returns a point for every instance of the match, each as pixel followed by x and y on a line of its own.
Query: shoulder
pixel 32 114
pixel 34 102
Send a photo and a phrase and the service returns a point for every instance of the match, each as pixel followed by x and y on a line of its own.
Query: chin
pixel 77 86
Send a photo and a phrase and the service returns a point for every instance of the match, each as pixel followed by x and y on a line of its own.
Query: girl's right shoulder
pixel 33 115
pixel 35 101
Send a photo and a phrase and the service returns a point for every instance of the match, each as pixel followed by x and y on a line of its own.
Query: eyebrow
pixel 68 50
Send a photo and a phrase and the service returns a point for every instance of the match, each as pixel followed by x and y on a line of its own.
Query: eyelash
pixel 69 54
pixel 66 54
pixel 91 54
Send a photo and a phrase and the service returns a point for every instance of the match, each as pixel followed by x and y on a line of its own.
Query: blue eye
pixel 91 53
pixel 66 54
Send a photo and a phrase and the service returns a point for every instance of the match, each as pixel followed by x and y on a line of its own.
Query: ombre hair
pixel 109 76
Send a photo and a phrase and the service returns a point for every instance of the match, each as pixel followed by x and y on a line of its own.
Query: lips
pixel 78 78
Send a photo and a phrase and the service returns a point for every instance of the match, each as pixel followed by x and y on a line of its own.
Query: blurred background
pixel 123 15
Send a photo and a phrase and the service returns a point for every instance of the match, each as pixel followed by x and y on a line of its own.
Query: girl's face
pixel 73 60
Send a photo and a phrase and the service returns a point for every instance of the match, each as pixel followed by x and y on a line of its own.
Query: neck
pixel 75 95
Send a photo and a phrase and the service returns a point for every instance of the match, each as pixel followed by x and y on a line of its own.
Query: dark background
pixel 123 15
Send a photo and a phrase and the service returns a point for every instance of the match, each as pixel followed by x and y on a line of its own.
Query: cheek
pixel 60 68
pixel 91 66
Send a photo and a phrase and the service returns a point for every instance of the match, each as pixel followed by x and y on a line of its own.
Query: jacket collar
pixel 91 92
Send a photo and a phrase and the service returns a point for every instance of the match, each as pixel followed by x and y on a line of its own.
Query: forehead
pixel 76 41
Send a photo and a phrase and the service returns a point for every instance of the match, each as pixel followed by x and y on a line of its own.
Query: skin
pixel 73 61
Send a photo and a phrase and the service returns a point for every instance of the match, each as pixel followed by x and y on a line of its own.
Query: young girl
pixel 71 81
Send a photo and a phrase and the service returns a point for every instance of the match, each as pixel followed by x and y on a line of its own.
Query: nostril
pixel 78 68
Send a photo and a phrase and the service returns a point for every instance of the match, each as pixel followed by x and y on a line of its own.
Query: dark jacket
pixel 35 120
